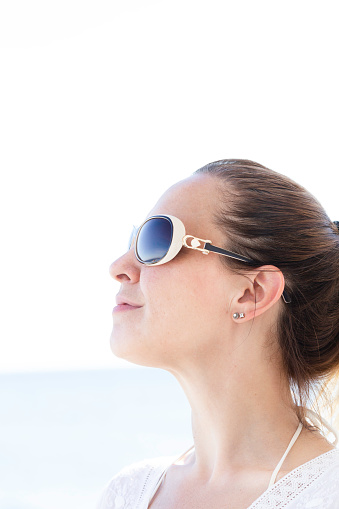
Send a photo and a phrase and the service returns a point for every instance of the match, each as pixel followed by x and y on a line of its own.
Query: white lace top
pixel 313 485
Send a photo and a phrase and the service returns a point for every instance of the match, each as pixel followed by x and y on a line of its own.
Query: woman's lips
pixel 124 303
pixel 124 307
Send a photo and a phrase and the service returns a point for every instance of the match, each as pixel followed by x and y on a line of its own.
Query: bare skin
pixel 238 488
pixel 243 415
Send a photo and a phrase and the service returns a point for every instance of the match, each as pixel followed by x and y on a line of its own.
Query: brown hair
pixel 272 220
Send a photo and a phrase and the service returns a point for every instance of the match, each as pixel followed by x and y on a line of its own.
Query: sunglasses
pixel 160 238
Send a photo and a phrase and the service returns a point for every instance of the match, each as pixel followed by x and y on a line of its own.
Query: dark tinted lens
pixel 154 239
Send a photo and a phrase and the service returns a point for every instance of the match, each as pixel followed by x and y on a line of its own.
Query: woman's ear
pixel 260 292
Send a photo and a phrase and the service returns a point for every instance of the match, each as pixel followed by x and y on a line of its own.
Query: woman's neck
pixel 242 415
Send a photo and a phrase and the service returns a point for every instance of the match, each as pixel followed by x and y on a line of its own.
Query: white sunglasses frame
pixel 180 239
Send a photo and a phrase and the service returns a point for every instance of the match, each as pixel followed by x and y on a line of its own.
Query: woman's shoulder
pixel 131 485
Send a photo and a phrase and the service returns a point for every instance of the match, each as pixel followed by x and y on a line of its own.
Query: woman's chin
pixel 120 346
pixel 132 352
pixel 129 350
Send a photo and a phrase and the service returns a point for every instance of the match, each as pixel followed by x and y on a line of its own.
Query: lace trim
pixel 132 486
pixel 148 484
pixel 292 484
pixel 155 474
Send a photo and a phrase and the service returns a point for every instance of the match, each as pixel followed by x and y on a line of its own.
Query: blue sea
pixel 65 434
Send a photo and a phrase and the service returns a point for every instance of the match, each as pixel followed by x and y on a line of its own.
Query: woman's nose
pixel 125 268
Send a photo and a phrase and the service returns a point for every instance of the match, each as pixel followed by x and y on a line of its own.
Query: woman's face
pixel 181 313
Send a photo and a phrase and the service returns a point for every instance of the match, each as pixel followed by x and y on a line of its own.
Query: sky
pixel 104 105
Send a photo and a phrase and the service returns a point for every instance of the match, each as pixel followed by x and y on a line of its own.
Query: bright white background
pixel 104 104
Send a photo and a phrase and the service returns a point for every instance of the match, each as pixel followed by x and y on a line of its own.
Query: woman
pixel 249 331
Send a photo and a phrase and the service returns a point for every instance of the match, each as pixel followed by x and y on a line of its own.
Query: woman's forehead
pixel 194 198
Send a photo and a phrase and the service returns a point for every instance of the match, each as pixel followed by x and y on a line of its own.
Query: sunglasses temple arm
pixel 229 254
pixel 286 298
pixel 235 256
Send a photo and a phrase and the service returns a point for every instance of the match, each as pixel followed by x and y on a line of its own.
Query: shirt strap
pixel 290 445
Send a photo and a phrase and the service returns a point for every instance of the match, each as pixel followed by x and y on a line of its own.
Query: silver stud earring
pixel 238 315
